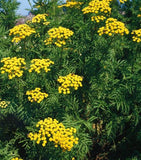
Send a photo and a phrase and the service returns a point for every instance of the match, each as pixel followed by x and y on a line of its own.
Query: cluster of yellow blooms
pixel 71 4
pixel 71 80
pixel 58 36
pixel 4 104
pixel 16 158
pixel 40 18
pixel 21 32
pixel 97 18
pixel 100 9
pixel 36 96
pixel 122 1
pixel 113 27
pixel 13 66
pixel 136 35
pixel 40 64
pixel 55 132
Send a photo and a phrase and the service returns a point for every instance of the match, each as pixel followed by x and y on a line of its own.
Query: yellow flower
pixel 13 66
pixel 136 35
pixel 16 158
pixel 58 36
pixel 71 80
pixel 113 26
pixel 40 18
pixel 21 32
pixel 36 95
pixel 4 104
pixel 40 64
pixel 55 132
pixel 72 4
pixel 99 9
pixel 123 1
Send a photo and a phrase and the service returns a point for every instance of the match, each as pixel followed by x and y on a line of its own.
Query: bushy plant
pixel 70 83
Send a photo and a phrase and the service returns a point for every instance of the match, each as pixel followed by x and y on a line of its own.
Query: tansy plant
pixel 21 32
pixel 136 35
pixel 39 65
pixel 40 18
pixel 112 27
pixel 50 130
pixel 69 81
pixel 36 95
pixel 3 104
pixel 71 4
pixel 16 158
pixel 58 36
pixel 100 9
pixel 13 66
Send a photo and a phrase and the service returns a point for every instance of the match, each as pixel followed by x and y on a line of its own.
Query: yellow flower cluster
pixel 16 158
pixel 71 80
pixel 13 66
pixel 99 8
pixel 97 18
pixel 3 104
pixel 58 36
pixel 122 1
pixel 113 27
pixel 21 32
pixel 40 64
pixel 71 4
pixel 40 18
pixel 136 35
pixel 55 132
pixel 36 96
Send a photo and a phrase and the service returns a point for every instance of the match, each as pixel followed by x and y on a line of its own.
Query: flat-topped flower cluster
pixel 69 81
pixel 13 66
pixel 53 131
pixel 36 95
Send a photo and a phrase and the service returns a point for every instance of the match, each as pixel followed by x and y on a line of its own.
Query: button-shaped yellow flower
pixel 39 65
pixel 16 158
pixel 113 26
pixel 58 36
pixel 40 18
pixel 100 9
pixel 4 104
pixel 136 35
pixel 36 95
pixel 69 81
pixel 71 4
pixel 13 66
pixel 21 32
pixel 53 131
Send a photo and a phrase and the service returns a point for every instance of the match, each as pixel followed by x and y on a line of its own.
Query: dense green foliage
pixel 106 110
pixel 8 13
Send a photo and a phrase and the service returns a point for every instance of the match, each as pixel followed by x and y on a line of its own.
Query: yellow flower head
pixel 122 1
pixel 13 66
pixel 99 8
pixel 53 131
pixel 40 64
pixel 21 32
pixel 71 4
pixel 113 26
pixel 71 80
pixel 36 95
pixel 136 35
pixel 40 18
pixel 4 104
pixel 16 158
pixel 58 36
